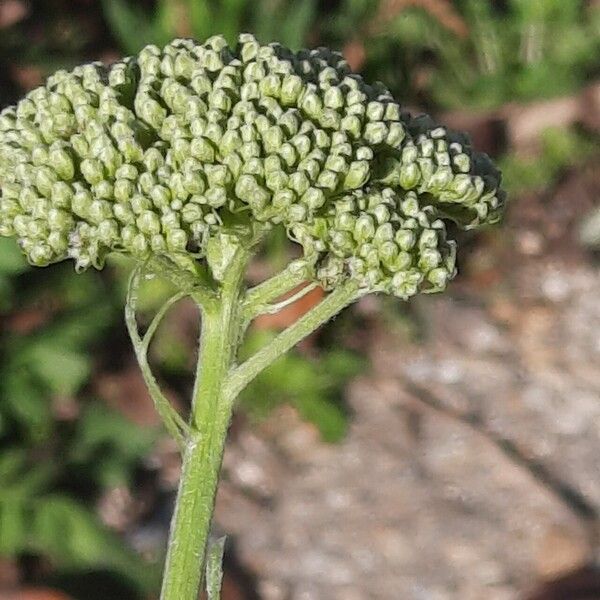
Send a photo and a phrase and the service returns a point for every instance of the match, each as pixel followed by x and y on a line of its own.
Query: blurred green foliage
pixel 312 385
pixel 560 149
pixel 52 469
pixel 286 22
pixel 476 53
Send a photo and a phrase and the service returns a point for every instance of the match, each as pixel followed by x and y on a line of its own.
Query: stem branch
pixel 211 414
pixel 172 420
pixel 272 289
pixel 320 314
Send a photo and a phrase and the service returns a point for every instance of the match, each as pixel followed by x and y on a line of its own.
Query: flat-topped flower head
pixel 159 153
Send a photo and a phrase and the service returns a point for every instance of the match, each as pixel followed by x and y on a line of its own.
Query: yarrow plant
pixel 185 158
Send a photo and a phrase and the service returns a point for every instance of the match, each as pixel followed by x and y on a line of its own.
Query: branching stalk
pixel 157 320
pixel 171 419
pixel 317 316
pixel 218 382
pixel 211 414
pixel 270 290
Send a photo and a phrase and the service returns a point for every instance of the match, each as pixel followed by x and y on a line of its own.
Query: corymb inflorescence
pixel 161 152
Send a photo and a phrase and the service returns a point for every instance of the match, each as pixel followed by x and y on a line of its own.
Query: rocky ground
pixel 471 466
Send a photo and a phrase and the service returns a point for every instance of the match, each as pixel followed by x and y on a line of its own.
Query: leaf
pixel 231 18
pixel 328 417
pixel 71 535
pixel 20 475
pixel 109 446
pixel 200 18
pixel 62 370
pixel 214 568
pixel 165 21
pixel 24 401
pixel 13 531
pixel 79 328
pixel 313 387
pixel 12 461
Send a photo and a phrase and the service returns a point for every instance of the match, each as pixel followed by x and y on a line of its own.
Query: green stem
pixel 266 292
pixel 172 420
pixel 218 382
pixel 320 314
pixel 203 454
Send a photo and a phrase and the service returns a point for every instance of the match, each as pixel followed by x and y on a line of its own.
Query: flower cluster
pixel 159 152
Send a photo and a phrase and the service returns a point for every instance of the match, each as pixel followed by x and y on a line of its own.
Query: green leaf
pixel 165 22
pixel 201 18
pixel 62 370
pixel 328 417
pixel 231 18
pixel 72 536
pixel 12 461
pixel 13 530
pixel 296 24
pixel 75 330
pixel 23 399
pixel 313 387
pixel 108 445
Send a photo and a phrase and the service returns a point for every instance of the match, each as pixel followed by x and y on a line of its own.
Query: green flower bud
pixel 276 180
pixel 410 176
pixel 139 246
pixel 376 132
pixel 61 194
pixel 297 213
pixel 364 229
pixel 406 239
pixel 439 278
pixel 291 88
pixel 82 201
pixel 216 196
pixel 177 240
pixel 357 176
pixel 328 180
pixel 352 125
pixel 92 170
pixel 313 198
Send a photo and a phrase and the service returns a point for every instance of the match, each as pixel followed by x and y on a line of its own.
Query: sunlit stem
pixel 209 422
pixel 309 322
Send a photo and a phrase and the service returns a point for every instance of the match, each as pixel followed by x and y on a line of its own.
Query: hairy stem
pixel 317 316
pixel 218 382
pixel 200 283
pixel 211 414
